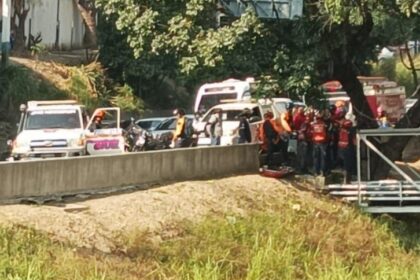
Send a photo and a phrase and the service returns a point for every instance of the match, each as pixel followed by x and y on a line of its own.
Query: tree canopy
pixel 332 40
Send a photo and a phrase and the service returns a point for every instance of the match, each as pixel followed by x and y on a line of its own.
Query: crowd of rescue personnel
pixel 324 139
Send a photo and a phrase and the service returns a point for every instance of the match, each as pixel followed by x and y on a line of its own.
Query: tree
pixel 333 40
pixel 20 12
pixel 88 12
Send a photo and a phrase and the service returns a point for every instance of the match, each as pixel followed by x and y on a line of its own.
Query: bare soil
pixel 100 223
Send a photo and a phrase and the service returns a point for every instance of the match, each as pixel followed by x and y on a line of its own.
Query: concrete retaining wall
pixel 78 175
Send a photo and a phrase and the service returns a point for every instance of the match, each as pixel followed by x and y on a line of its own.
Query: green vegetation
pixel 280 239
pixel 90 85
pixel 18 85
pixel 87 84
pixel 395 70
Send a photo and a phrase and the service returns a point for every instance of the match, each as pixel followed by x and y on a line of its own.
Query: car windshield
pixel 149 125
pixel 280 106
pixel 169 124
pixel 210 100
pixel 44 119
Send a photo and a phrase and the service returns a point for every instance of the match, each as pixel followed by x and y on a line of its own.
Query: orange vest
pixel 319 132
pixel 261 135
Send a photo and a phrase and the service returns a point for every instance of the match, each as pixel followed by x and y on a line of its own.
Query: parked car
pixel 149 124
pixel 164 131
pixel 230 118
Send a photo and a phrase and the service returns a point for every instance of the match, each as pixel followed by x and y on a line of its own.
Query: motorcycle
pixel 135 138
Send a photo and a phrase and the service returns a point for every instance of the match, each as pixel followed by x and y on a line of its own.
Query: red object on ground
pixel 276 173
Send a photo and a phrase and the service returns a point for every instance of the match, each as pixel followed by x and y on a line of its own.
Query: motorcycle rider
pixel 319 135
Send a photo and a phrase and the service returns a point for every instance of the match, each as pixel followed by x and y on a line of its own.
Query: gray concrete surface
pixel 412 150
pixel 86 174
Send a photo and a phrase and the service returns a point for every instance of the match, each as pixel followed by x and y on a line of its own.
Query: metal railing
pixel 362 137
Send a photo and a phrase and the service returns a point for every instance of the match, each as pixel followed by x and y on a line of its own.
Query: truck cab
pixel 50 129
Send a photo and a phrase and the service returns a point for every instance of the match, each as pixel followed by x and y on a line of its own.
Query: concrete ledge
pixel 86 174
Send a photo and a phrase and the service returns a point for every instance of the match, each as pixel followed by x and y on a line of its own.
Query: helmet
pixel 100 114
pixel 246 112
pixel 340 103
pixel 179 111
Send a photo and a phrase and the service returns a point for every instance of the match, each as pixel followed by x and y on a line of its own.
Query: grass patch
pixel 297 238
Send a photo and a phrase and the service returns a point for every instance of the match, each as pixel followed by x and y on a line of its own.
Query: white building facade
pixel 57 21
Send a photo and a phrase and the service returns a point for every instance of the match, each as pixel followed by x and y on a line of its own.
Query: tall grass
pixel 318 240
pixel 287 246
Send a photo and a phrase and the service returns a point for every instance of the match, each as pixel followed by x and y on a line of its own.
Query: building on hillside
pixel 57 22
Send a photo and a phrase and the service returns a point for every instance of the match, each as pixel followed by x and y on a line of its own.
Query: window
pixel 210 100
pixel 45 119
pixel 227 115
pixel 169 124
pixel 280 106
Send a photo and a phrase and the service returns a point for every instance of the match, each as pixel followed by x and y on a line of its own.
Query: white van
pixel 212 94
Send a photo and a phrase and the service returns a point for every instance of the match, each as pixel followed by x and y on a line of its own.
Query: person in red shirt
pixel 271 137
pixel 298 118
pixel 346 148
pixel 304 145
pixel 319 137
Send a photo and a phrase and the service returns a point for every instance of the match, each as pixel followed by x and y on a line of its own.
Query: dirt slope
pixel 156 211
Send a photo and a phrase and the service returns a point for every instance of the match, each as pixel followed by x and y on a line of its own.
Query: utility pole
pixel 5 32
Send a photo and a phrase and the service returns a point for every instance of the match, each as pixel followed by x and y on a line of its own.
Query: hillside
pixel 246 227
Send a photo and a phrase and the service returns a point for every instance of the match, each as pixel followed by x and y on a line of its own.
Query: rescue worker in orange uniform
pixel 97 120
pixel 320 141
pixel 268 135
pixel 304 145
pixel 346 148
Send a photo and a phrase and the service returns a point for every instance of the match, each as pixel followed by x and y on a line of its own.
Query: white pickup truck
pixel 62 129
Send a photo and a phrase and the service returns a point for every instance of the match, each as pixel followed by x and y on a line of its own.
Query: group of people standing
pixel 321 139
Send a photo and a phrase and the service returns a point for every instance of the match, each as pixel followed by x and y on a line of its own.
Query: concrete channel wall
pixel 88 174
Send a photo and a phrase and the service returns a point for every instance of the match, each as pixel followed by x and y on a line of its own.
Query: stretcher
pixel 279 172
